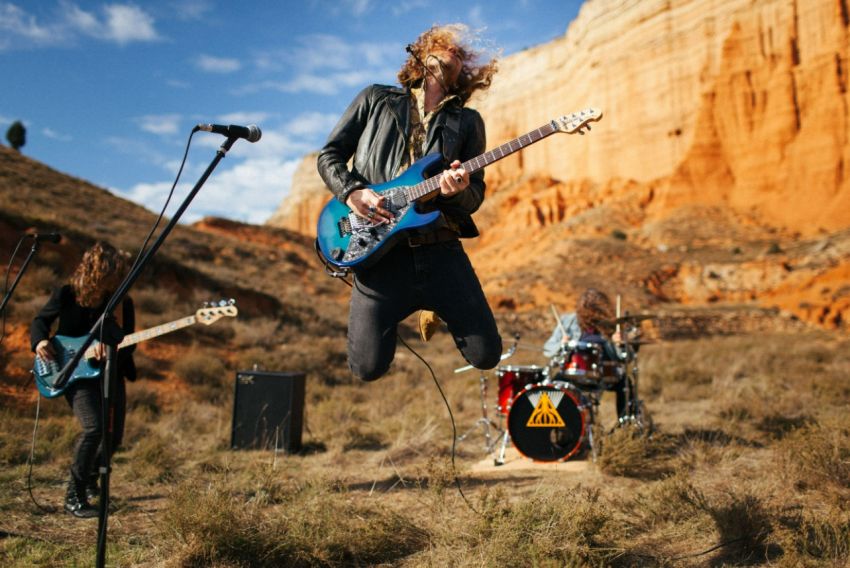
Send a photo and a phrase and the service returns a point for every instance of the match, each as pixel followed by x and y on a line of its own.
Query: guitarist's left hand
pixel 454 180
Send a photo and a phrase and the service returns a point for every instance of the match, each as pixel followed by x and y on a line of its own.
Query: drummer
pixel 590 323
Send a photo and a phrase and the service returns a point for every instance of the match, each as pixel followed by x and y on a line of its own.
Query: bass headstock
pixel 214 311
pixel 577 121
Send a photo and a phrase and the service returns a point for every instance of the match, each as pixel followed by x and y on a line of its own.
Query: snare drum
pixel 548 421
pixel 512 379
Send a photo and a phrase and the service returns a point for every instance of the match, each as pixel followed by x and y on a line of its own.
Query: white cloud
pixel 160 123
pixel 252 180
pixel 250 192
pixel 192 9
pixel 322 84
pixel 16 22
pixel 121 23
pixel 324 64
pixel 312 124
pixel 244 118
pixel 214 64
pixel 53 135
pixel 118 23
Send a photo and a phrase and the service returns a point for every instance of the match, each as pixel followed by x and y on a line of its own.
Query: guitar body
pixel 347 240
pixel 47 372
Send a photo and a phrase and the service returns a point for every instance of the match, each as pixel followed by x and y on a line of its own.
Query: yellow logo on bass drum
pixel 545 413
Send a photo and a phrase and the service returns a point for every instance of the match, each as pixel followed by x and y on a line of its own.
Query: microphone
pixel 251 133
pixel 49 237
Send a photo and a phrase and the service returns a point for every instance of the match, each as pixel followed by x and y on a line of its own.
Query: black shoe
pixel 76 502
pixel 92 489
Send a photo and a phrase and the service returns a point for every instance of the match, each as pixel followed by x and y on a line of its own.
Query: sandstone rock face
pixel 300 210
pixel 722 101
pixel 725 132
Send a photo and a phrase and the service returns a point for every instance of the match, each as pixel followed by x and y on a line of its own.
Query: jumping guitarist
pixel 78 306
pixel 385 130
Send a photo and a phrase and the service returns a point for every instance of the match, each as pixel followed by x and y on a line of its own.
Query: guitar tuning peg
pixel 231 302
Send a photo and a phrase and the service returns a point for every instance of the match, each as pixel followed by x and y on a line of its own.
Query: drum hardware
pixel 485 422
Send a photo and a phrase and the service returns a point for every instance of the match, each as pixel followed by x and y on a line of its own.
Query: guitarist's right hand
pixel 368 205
pixel 45 350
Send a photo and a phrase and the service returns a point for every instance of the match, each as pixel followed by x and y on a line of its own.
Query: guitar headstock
pixel 577 121
pixel 214 311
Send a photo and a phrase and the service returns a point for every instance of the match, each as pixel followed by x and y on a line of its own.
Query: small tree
pixel 17 135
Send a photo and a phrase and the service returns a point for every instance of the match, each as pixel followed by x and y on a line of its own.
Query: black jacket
pixel 76 321
pixel 375 129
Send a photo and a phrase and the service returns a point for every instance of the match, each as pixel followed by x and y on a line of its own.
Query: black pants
pixel 84 396
pixel 437 277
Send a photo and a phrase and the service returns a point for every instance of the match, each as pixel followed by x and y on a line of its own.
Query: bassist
pixel 77 306
pixel 385 130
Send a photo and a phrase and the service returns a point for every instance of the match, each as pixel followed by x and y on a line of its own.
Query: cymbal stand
pixel 637 416
pixel 485 422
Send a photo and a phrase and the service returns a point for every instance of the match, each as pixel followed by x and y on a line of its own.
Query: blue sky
pixel 109 91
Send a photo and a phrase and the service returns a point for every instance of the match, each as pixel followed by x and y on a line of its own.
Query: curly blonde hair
pixel 98 273
pixel 457 38
pixel 594 311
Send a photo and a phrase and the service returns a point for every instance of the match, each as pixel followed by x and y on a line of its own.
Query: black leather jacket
pixel 375 129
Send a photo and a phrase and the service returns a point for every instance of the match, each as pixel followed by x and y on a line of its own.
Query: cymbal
pixel 627 319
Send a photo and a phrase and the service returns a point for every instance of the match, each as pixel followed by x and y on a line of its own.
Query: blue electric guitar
pixel 347 240
pixel 47 372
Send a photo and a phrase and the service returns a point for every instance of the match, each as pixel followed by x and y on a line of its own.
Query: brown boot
pixel 428 324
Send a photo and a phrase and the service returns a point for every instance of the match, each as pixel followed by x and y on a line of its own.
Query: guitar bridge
pixel 344 226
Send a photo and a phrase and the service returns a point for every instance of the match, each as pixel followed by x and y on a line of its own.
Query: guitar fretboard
pixel 432 184
pixel 152 332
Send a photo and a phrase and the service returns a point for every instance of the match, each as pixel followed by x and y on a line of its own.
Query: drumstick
pixel 558 319
pixel 618 315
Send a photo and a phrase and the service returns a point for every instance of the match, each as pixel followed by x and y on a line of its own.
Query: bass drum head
pixel 547 422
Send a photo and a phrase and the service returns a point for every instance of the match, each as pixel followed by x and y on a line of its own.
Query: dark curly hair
pixel 457 38
pixel 98 273
pixel 594 310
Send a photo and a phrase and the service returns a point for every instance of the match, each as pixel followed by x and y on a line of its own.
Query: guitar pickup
pixel 344 226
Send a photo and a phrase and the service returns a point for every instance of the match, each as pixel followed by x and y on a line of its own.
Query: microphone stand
pixel 106 390
pixel 18 276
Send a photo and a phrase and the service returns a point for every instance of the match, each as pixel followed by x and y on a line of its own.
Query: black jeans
pixel 85 399
pixel 437 277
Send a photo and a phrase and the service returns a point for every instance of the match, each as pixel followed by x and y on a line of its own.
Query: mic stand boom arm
pixel 131 278
pixel 19 275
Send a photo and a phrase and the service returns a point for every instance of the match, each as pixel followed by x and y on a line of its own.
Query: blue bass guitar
pixel 46 372
pixel 347 240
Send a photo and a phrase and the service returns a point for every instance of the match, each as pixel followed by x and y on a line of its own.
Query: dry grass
pixel 729 478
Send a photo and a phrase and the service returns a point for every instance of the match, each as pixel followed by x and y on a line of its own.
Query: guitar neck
pixel 152 332
pixel 432 185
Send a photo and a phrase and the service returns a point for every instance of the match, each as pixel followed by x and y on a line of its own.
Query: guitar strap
pixel 451 134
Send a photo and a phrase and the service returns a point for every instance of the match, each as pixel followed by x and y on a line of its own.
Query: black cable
pixel 401 340
pixel 6 285
pixel 32 459
pixel 451 417
pixel 164 207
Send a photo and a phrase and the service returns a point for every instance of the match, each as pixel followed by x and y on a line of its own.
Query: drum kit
pixel 551 413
